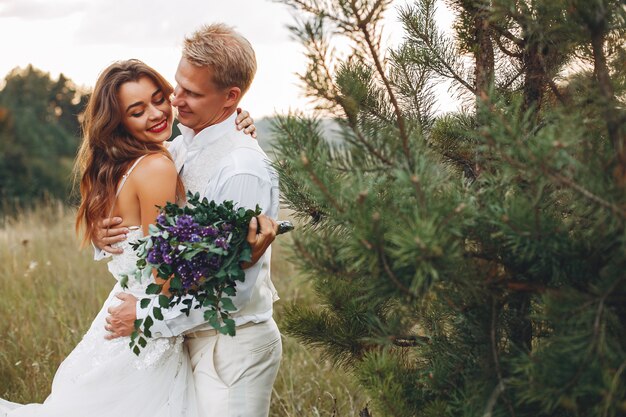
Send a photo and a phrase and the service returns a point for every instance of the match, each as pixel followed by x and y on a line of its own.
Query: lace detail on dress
pixel 157 349
pixel 125 264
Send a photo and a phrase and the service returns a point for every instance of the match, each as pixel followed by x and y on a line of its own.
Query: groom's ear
pixel 233 95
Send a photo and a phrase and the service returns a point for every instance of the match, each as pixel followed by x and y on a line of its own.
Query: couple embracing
pixel 188 369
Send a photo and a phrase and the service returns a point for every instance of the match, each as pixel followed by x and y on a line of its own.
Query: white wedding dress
pixel 103 378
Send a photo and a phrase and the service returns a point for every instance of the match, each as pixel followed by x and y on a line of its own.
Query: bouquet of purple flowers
pixel 198 250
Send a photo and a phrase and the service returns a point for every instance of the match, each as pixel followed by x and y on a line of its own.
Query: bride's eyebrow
pixel 139 103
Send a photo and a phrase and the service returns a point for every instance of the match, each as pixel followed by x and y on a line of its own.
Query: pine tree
pixel 470 264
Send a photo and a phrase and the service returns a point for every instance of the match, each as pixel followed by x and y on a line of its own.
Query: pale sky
pixel 79 38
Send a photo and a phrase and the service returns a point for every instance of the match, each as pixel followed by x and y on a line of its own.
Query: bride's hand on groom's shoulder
pixel 107 234
pixel 245 122
pixel 261 233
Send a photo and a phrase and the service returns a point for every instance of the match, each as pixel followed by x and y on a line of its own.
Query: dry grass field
pixel 50 291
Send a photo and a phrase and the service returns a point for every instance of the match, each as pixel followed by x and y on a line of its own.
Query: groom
pixel 233 375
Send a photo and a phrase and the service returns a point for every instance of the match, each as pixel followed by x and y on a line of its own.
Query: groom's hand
pixel 107 234
pixel 121 319
pixel 261 233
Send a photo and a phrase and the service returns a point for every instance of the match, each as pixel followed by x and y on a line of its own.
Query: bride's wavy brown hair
pixel 107 149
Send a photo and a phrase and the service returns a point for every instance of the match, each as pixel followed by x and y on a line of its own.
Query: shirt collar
pixel 207 135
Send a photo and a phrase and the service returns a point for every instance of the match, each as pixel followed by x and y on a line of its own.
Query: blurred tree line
pixel 39 135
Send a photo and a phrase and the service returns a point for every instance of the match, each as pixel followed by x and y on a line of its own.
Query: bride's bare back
pixel 151 183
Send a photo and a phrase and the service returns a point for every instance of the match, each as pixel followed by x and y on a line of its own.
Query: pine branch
pixel 409 341
pixel 618 138
pixel 317 11
pixel 427 38
pixel 364 142
pixel 363 25
pixel 512 80
pixel 500 388
pixel 614 384
pixel 505 50
pixel 595 336
pixel 507 34
pixel 320 185
pixel 552 175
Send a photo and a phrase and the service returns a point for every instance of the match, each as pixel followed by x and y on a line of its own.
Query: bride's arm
pixel 155 185
pixel 154 182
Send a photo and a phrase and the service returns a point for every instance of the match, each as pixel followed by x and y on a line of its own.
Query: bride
pixel 126 171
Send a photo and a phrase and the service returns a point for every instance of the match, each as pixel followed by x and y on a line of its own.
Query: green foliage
pixel 469 264
pixel 39 135
pixel 184 245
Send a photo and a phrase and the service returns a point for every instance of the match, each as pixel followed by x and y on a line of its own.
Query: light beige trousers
pixel 234 375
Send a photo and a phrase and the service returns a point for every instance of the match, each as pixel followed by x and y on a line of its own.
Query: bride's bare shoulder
pixel 155 166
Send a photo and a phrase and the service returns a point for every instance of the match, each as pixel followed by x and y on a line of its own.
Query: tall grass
pixel 50 291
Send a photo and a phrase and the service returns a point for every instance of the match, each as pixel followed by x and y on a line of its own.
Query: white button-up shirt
pixel 221 164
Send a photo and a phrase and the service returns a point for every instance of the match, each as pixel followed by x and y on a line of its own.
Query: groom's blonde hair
pixel 228 53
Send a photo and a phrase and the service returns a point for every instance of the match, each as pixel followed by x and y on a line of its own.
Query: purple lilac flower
pixel 215 262
pixel 209 231
pixel 184 229
pixel 154 256
pixel 221 242
pixel 227 227
pixel 185 272
pixel 185 220
pixel 167 257
pixel 162 220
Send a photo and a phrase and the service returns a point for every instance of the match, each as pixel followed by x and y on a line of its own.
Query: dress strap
pixel 123 181
pixel 125 176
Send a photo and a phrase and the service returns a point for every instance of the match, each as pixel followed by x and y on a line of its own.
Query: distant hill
pixel 266 137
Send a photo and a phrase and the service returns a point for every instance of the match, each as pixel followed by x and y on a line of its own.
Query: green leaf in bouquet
pixel 187 302
pixel 142 342
pixel 124 281
pixel 154 289
pixel 176 283
pixel 230 291
pixel 136 350
pixel 141 263
pixel 228 328
pixel 190 254
pixel 217 251
pixel 210 300
pixel 227 304
pixel 164 301
pixel 148 322
pixel 145 274
pixel 153 230
pixel 246 253
pixel 237 274
pixel 156 312
pixel 165 271
pixel 211 317
pixel 144 303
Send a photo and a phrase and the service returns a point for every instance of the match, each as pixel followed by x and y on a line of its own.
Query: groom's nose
pixel 175 99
